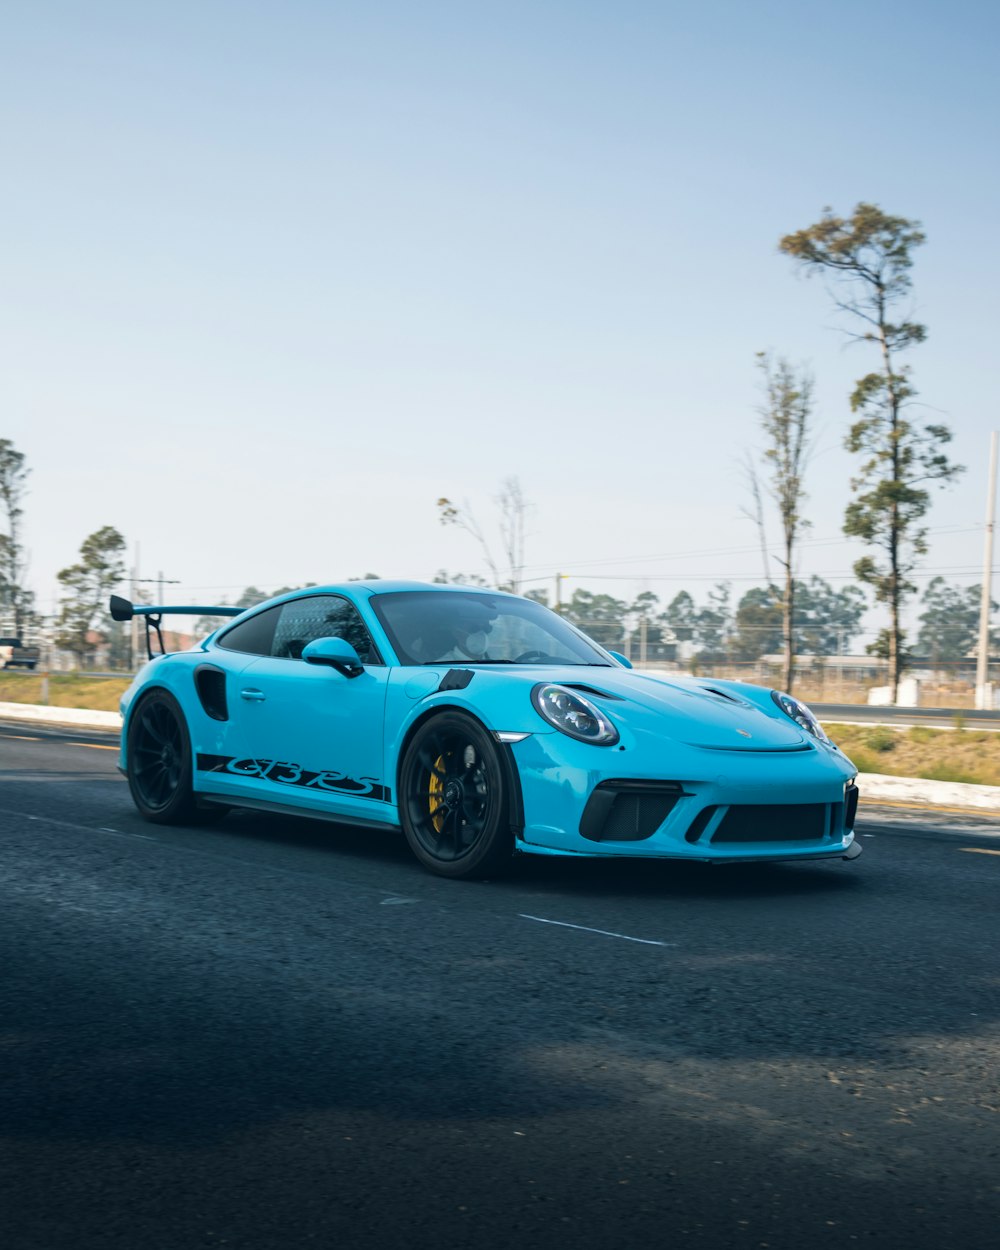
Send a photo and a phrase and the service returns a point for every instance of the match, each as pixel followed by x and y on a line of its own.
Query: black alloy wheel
pixel 453 800
pixel 158 759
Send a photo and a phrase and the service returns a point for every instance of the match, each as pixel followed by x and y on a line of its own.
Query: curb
pixel 879 787
pixel 73 717
pixel 873 786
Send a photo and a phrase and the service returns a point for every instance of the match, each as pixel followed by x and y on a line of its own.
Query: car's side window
pixel 255 636
pixel 321 616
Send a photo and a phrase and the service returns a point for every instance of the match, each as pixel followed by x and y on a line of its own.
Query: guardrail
pixel 932 717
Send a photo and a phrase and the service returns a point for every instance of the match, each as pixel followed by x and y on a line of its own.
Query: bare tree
pixel 756 513
pixel 513 508
pixel 785 416
pixel 13 476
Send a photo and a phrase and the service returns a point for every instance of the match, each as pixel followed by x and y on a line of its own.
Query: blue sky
pixel 278 276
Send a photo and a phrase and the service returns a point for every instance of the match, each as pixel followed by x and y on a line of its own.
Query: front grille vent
pixel 700 823
pixel 774 822
pixel 628 810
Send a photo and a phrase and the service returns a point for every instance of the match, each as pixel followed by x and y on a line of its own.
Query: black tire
pixel 454 801
pixel 158 760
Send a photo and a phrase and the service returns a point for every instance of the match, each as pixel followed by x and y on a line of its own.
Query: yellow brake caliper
pixel 437 812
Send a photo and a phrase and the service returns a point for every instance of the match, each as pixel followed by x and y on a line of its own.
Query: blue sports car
pixel 481 724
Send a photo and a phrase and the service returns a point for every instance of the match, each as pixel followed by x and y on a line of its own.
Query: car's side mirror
pixel 617 655
pixel 334 653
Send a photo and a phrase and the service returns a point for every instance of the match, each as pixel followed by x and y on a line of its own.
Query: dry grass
pixel 100 694
pixel 937 754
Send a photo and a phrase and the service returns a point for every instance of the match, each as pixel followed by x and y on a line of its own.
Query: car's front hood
pixel 695 714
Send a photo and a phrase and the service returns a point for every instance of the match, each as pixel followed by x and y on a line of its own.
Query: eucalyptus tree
pixel 949 623
pixel 86 587
pixel 785 419
pixel 14 597
pixel 868 258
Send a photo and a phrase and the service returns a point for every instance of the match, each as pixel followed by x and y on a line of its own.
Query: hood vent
pixel 594 694
pixel 721 694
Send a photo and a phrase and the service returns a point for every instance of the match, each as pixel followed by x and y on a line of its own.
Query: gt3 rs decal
pixel 289 774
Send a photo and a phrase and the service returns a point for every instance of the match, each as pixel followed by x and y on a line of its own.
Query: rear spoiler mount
pixel 125 610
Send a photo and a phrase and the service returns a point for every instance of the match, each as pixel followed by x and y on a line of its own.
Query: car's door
pixel 310 736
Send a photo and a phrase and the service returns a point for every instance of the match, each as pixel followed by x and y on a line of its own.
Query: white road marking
pixel 91 746
pixel 603 932
pixel 978 850
pixel 387 901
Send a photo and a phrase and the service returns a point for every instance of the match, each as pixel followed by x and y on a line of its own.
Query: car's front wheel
pixel 453 799
pixel 158 761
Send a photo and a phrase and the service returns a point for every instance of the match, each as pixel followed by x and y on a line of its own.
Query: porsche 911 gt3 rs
pixel 481 724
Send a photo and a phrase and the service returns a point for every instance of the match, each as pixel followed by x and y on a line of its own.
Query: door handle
pixel 252 695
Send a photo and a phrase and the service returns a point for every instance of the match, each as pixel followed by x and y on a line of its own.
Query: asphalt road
pixel 270 1033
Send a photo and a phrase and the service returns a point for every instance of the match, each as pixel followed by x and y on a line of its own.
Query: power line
pixel 716 551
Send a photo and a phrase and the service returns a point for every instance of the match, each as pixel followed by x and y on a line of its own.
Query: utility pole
pixel 133 645
pixel 559 580
pixel 984 691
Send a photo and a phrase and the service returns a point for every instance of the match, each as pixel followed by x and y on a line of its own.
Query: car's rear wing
pixel 124 610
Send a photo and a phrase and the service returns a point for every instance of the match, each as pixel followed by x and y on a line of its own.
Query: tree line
pixel 866 260
pixel 720 631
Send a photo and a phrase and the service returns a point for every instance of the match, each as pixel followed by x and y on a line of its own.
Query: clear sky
pixel 276 276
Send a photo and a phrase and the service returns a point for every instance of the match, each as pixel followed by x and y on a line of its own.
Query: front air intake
pixel 628 810
pixel 774 822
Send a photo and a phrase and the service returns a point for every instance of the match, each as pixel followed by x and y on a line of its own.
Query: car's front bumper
pixel 674 801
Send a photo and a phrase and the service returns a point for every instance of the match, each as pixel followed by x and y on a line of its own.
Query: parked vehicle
pixel 14 655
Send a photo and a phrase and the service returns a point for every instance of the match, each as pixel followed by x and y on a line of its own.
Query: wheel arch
pixel 136 702
pixel 505 756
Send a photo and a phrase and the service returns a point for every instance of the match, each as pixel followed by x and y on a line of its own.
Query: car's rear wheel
pixel 158 759
pixel 453 799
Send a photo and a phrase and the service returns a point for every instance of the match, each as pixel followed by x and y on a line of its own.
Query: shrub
pixel 880 739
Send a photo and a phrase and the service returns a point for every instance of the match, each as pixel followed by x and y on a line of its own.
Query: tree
pixel 785 416
pixel 949 625
pixel 443 578
pixel 758 625
pixel 713 625
pixel 513 509
pixel 680 617
pixel 249 598
pixel 868 257
pixel 87 585
pixel 826 620
pixel 881 649
pixel 601 617
pixel 14 597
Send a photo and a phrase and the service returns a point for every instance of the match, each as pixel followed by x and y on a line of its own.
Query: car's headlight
pixel 574 715
pixel 800 714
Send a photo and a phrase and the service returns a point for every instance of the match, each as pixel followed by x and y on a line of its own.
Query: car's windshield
pixel 449 626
